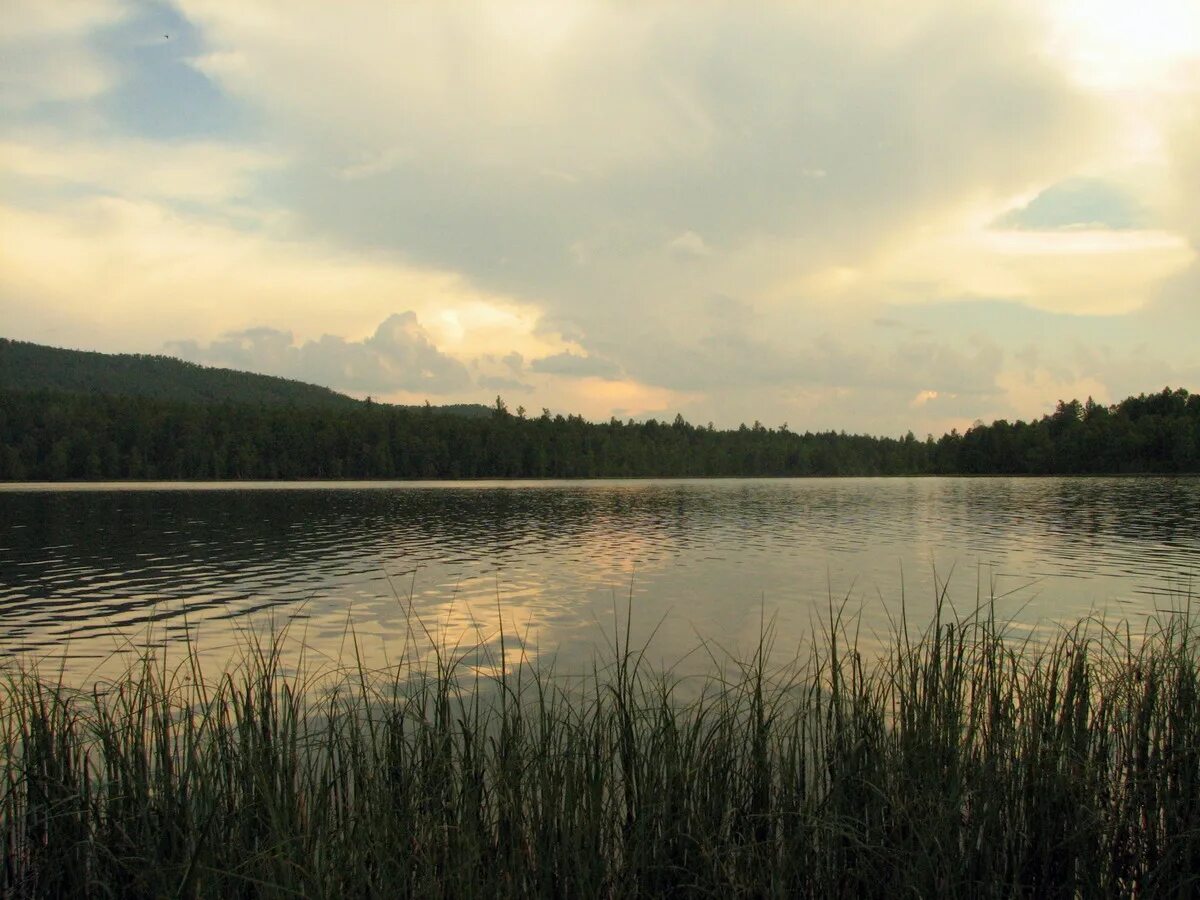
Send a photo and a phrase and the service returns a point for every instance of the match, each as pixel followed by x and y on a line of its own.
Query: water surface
pixel 92 573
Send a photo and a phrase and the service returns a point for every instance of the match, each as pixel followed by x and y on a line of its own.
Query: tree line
pixel 60 436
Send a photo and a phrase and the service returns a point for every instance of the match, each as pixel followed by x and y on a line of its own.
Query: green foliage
pixel 960 765
pixel 26 367
pixel 1147 433
pixel 57 436
pixel 31 367
pixel 67 414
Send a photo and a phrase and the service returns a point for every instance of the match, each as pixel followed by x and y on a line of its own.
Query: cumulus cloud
pixel 122 275
pixel 505 373
pixel 398 356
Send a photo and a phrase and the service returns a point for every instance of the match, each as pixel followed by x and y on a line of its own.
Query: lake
pixel 92 574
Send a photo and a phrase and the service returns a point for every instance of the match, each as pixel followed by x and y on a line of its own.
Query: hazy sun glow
pixel 1116 44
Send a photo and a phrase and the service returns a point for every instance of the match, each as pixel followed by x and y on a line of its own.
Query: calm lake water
pixel 90 574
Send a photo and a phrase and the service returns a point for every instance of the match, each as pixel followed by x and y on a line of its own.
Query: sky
pixel 876 217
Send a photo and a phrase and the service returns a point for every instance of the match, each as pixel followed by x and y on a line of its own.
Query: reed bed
pixel 960 763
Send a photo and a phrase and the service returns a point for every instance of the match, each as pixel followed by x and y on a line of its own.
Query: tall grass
pixel 959 764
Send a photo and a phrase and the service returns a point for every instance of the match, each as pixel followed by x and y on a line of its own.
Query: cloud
pixel 1121 47
pixel 1080 271
pixel 1048 356
pixel 1174 311
pixel 574 366
pixel 110 273
pixel 644 207
pixel 398 357
pixel 1077 204
pixel 507 373
pixel 1185 163
pixel 799 138
pixel 46 55
pixel 210 173
pixel 501 383
pixel 688 244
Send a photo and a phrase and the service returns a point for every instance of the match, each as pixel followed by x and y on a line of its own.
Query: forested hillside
pixel 1148 433
pixel 54 436
pixel 32 367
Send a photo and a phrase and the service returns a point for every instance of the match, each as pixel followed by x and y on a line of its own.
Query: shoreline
pixel 380 483
pixel 960 763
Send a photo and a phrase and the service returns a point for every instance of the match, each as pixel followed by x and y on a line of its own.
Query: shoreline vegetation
pixel 71 437
pixel 962 762
pixel 76 416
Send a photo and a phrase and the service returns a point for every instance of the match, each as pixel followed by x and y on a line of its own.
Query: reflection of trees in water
pixel 1147 510
pixel 1087 510
pixel 69 558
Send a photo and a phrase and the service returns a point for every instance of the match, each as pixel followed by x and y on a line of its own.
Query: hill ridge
pixel 27 367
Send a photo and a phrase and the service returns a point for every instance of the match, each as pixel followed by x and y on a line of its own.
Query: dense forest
pixel 33 367
pixel 54 436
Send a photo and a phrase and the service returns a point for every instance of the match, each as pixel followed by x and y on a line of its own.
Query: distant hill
pixel 32 367
pixel 26 367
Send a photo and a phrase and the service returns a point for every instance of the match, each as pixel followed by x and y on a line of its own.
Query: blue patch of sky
pixel 160 95
pixel 1077 203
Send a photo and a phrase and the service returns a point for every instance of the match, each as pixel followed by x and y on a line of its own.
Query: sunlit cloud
pixel 204 172
pixel 398 356
pixel 140 263
pixel 1085 272
pixel 1115 45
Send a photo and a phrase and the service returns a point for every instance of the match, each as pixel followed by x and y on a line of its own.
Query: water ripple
pixel 83 570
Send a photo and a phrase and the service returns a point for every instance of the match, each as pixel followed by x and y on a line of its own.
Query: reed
pixel 959 763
